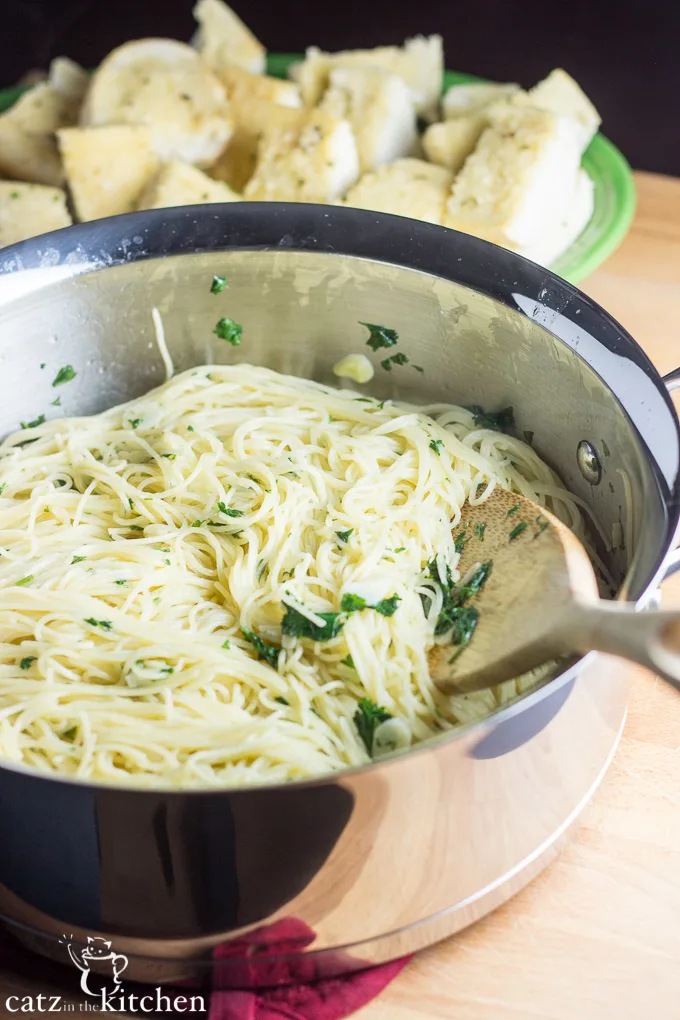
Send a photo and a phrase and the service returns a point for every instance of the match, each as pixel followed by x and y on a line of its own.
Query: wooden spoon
pixel 540 601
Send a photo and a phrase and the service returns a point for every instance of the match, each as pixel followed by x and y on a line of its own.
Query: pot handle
pixel 672 381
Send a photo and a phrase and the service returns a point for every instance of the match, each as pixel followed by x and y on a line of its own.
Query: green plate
pixel 611 174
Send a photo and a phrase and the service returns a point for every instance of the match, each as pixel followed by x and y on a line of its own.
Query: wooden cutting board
pixel 597 935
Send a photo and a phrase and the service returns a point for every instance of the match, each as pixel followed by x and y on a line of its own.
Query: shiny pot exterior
pixel 267 885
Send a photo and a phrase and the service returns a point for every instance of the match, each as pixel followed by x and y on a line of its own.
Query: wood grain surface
pixel 597 935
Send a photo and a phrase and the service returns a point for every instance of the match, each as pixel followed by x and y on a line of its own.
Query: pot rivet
pixel 589 462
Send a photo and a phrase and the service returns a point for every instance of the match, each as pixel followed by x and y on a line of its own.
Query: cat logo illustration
pixel 98 957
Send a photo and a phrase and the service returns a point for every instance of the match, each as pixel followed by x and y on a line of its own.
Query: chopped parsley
pixel 70 734
pixel 56 402
pixel 227 329
pixel 542 525
pixel 517 531
pixel 402 548
pixel 380 336
pixel 452 616
pixel 64 375
pixel 2 488
pixel 294 624
pixel 24 580
pixel 78 559
pixel 463 627
pixel 102 624
pixel 40 420
pixel 281 700
pixel 513 510
pixel 270 653
pixel 419 368
pixel 344 536
pixel 367 718
pixel 479 531
pixel 226 644
pixel 436 445
pixel 228 511
pixel 395 359
pixel 218 284
pixel 135 422
pixel 387 607
pixel 355 603
pixel 27 662
pixel 348 661
pixel 190 428
pixel 121 581
pixel 498 421
pixel 460 541
pixel 135 527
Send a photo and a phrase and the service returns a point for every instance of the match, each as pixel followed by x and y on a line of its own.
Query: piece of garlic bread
pixel 419 62
pixel 30 209
pixel 380 109
pixel 165 86
pixel 254 121
pixel 450 142
pixel 69 78
pixel 560 94
pixel 316 162
pixel 29 157
pixel 224 41
pixel 520 175
pixel 180 183
pixel 28 147
pixel 407 187
pixel 107 168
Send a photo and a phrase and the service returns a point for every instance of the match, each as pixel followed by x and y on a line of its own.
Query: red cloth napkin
pixel 311 997
pixel 329 999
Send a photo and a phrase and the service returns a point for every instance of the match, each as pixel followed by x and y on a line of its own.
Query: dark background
pixel 625 54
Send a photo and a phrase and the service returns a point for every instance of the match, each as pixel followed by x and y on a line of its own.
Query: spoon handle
pixel 650 638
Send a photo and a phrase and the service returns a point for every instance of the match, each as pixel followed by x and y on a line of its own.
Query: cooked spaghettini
pixel 226 581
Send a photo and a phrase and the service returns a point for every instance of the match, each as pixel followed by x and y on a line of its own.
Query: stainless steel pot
pixel 326 876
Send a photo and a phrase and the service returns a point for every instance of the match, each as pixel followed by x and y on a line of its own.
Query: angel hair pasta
pixel 226 581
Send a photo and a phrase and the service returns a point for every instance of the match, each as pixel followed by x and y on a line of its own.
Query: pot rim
pixel 355 233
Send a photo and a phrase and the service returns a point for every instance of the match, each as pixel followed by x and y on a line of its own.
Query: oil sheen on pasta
pixel 152 552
